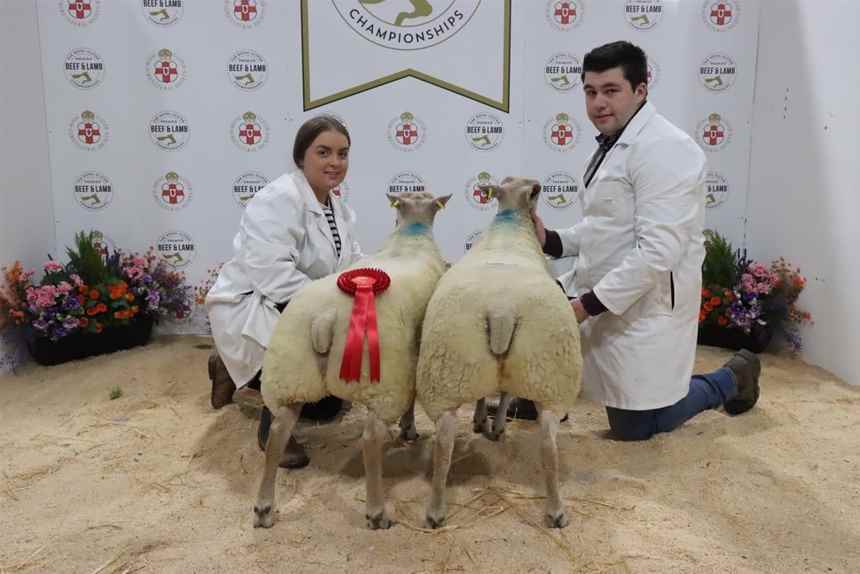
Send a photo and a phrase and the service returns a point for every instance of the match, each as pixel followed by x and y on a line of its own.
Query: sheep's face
pixel 517 193
pixel 416 207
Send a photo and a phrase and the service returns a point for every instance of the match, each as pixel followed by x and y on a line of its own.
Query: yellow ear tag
pixel 490 193
pixel 439 204
pixel 395 204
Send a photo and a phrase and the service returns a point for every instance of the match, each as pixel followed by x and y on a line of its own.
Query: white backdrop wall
pixel 805 172
pixel 149 97
pixel 27 230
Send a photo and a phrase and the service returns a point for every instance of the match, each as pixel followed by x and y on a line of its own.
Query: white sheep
pixel 303 360
pixel 498 322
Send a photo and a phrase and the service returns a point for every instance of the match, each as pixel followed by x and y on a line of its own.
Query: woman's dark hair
pixel 309 132
pixel 629 57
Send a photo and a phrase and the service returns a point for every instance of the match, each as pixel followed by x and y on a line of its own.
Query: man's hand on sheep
pixel 579 310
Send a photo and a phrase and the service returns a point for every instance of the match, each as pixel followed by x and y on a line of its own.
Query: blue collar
pixel 415 229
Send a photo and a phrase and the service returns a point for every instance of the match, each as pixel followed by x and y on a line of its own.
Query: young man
pixel 640 249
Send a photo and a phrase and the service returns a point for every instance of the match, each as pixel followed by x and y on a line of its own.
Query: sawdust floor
pixel 156 481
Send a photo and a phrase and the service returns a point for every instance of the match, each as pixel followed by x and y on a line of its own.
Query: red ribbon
pixel 362 284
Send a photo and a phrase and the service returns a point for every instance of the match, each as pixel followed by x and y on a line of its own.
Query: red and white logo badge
pixel 249 132
pixel 561 132
pixel 472 238
pixel 559 190
pixel 716 188
pixel 406 132
pixel 169 130
pixel 406 181
pixel 721 15
pixel 245 13
pixel 248 70
pixel 171 191
pixel 562 72
pixel 477 195
pixel 484 131
pixel 246 186
pixel 93 191
pixel 176 248
pixel 81 13
pixel 714 133
pixel 88 131
pixel 643 14
pixel 84 68
pixel 718 72
pixel 163 12
pixel 565 15
pixel 166 70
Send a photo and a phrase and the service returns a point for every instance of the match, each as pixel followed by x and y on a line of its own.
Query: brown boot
pixel 222 385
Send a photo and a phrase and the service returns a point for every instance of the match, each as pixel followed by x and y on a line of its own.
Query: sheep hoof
pixel 409 435
pixel 495 435
pixel 378 521
pixel 263 517
pixel 557 519
pixel 435 522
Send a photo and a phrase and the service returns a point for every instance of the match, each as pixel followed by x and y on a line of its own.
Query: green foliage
pixel 720 267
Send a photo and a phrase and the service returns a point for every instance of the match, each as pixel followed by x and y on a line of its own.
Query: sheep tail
pixel 501 323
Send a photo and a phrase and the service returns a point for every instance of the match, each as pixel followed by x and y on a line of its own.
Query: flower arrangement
pixel 91 293
pixel 742 294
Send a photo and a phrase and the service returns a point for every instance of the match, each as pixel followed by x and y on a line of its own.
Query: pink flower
pixel 748 282
pixel 52 267
pixel 76 280
pixel 64 287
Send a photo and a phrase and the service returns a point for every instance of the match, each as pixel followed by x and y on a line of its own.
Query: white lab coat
pixel 640 247
pixel 284 241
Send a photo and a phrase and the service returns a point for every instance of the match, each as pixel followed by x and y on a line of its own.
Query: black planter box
pixel 756 340
pixel 80 345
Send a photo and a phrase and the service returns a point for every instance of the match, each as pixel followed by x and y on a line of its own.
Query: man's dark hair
pixel 309 132
pixel 628 56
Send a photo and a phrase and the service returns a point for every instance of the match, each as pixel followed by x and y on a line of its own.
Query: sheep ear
pixel 442 201
pixel 395 202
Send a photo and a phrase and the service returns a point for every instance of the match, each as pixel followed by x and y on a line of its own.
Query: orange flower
pixel 129 297
pixel 706 293
pixel 114 295
pixel 715 301
pixel 81 299
pixel 135 309
pixel 99 328
pixel 92 311
pixel 83 322
pixel 722 321
pixel 94 295
pixel 118 315
pixel 101 307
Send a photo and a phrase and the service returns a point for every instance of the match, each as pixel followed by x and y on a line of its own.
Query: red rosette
pixel 362 284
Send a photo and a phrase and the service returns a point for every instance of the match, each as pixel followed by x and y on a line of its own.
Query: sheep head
pixel 416 207
pixel 515 193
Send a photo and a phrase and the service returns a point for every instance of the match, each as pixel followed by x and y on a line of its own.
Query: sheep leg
pixel 282 427
pixel 446 430
pixel 408 432
pixel 501 417
pixel 479 421
pixel 373 439
pixel 555 515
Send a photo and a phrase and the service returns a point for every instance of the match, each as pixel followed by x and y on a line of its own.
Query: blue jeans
pixel 706 392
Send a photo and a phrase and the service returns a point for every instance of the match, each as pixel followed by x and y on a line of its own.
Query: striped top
pixel 329 215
